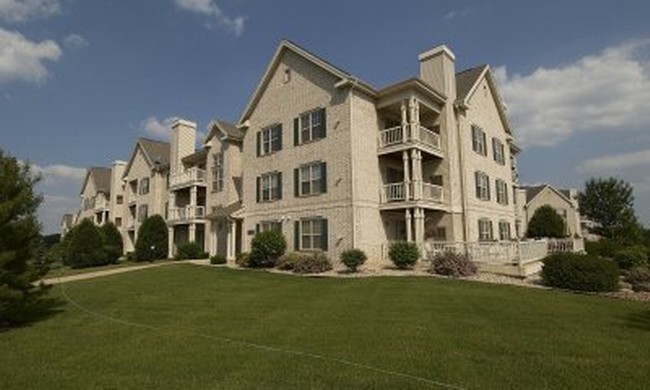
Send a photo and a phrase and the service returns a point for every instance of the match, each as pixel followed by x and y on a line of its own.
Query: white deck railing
pixel 393 192
pixel 186 213
pixel 398 134
pixel 189 176
pixel 432 192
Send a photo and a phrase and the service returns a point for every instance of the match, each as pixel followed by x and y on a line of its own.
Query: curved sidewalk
pixel 107 272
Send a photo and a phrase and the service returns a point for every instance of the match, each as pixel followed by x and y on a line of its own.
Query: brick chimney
pixel 183 143
pixel 438 69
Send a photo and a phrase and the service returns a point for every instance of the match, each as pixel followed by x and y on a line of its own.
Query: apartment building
pixel 145 189
pixel 564 201
pixel 335 163
pixel 95 195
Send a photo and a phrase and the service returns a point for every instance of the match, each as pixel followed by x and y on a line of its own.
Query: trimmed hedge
pixel 404 254
pixel 266 248
pixel 353 258
pixel 453 264
pixel 152 239
pixel 218 259
pixel 85 246
pixel 287 261
pixel 243 259
pixel 580 272
pixel 312 263
pixel 190 251
pixel 113 245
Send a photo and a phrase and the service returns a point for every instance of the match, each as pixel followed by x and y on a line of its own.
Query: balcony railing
pixel 403 134
pixel 396 192
pixel 186 213
pixel 187 177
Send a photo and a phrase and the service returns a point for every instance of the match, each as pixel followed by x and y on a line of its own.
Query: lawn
pixel 59 270
pixel 184 326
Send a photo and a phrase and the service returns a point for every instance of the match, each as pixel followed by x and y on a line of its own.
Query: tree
pixel 112 242
pixel 86 247
pixel 19 239
pixel 546 223
pixel 152 239
pixel 610 204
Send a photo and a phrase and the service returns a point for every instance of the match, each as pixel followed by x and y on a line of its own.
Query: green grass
pixel 471 335
pixel 62 270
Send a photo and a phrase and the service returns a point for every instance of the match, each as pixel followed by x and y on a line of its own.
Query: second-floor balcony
pixel 395 193
pixel 407 135
pixel 188 177
pixel 186 213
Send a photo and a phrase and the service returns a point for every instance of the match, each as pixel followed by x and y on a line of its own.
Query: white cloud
pixel 606 91
pixel 52 209
pixel 54 174
pixel 22 59
pixel 211 9
pixel 16 11
pixel 75 41
pixel 617 162
pixel 159 129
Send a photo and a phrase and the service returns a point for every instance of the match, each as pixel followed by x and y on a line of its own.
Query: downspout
pixel 352 170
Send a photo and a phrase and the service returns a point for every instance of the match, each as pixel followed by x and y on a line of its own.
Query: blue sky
pixel 81 80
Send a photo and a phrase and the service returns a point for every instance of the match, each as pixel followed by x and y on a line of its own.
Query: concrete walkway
pixel 99 274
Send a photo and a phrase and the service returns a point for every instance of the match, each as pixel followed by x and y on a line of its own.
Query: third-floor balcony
pixel 189 177
pixel 395 195
pixel 400 137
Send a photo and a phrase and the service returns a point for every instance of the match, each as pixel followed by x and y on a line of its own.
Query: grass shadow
pixel 639 320
pixel 32 312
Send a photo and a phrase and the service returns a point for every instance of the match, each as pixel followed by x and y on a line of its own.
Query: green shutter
pixel 257 228
pixel 325 236
pixel 279 185
pixel 257 189
pixel 296 182
pixel 323 180
pixel 259 143
pixel 474 143
pixel 296 131
pixel 485 147
pixel 296 235
pixel 476 186
pixel 487 181
pixel 279 146
pixel 324 123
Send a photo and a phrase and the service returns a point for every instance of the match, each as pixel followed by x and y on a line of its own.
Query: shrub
pixel 546 222
pixel 312 263
pixel 130 256
pixel 152 239
pixel 190 250
pixel 266 248
pixel 85 248
pixel 403 254
pixel 112 239
pixel 353 258
pixel 639 278
pixel 602 248
pixel 580 272
pixel 243 259
pixel 453 264
pixel 634 256
pixel 218 259
pixel 287 261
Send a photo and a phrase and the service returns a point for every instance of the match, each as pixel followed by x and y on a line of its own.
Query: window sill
pixel 311 141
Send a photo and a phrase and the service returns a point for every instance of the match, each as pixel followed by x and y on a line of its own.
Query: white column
pixel 230 241
pixel 419 225
pixel 170 244
pixel 407 176
pixel 416 174
pixel 414 116
pixel 409 235
pixel 192 230
pixel 207 237
pixel 405 122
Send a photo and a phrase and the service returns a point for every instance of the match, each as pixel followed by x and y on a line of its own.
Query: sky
pixel 80 81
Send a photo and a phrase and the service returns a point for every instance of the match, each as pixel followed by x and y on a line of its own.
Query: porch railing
pixel 393 192
pixel 188 176
pixel 432 192
pixel 186 213
pixel 391 136
pixel 429 137
pixel 401 134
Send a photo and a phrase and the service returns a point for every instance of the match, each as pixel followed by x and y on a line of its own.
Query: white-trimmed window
pixel 482 184
pixel 269 140
pixel 144 186
pixel 479 141
pixel 311 234
pixel 311 179
pixel 309 126
pixel 485 232
pixel 269 187
pixel 143 212
pixel 504 230
pixel 498 151
pixel 502 191
pixel 217 172
pixel 265 226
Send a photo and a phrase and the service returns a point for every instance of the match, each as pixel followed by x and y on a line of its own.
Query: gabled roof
pixel 101 177
pixel 413 83
pixel 196 158
pixel 533 191
pixel 345 78
pixel 468 80
pixel 227 131
pixel 156 154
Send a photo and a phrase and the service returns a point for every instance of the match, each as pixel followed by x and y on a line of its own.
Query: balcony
pixel 395 195
pixel 187 213
pixel 395 138
pixel 189 177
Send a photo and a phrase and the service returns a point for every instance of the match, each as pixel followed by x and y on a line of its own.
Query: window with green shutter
pixel 269 140
pixel 269 187
pixel 311 179
pixel 310 126
pixel 312 234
